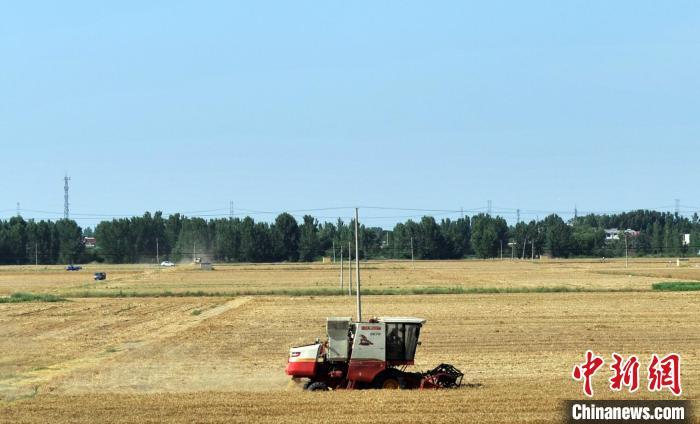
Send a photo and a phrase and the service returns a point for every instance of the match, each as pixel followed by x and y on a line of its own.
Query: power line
pixel 502 211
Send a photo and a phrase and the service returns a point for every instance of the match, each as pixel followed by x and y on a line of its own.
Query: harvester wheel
pixel 317 386
pixel 390 380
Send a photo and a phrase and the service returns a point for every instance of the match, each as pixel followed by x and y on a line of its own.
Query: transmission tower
pixel 678 206
pixel 230 210
pixel 66 211
pixel 18 211
pixel 489 208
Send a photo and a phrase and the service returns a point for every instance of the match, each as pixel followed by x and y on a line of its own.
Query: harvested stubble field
pixel 241 279
pixel 221 359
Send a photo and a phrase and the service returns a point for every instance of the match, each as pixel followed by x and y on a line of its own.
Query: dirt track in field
pixel 134 338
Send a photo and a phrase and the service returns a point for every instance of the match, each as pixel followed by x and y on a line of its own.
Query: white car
pixel 167 263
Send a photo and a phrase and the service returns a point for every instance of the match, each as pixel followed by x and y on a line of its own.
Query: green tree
pixel 70 240
pixel 587 241
pixel 488 234
pixel 557 236
pixel 285 238
pixel 308 239
pixel 430 243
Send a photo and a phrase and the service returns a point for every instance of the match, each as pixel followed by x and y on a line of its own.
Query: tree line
pixel 151 237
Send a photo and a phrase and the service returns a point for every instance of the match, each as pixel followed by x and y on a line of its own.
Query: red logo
pixel 364 341
pixel 626 373
pixel 663 373
pixel 586 371
pixel 371 327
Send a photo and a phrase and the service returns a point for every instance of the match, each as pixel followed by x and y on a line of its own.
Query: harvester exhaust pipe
pixel 357 266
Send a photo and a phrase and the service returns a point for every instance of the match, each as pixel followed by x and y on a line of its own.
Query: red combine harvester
pixel 371 354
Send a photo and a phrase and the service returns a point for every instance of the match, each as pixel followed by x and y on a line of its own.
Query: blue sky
pixel 186 106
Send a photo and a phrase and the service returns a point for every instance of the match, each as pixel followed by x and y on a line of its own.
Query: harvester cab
pixel 371 354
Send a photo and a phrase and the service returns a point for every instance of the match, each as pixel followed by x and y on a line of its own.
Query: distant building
pixel 89 241
pixel 685 239
pixel 612 234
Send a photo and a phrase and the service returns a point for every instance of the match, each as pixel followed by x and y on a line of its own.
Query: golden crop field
pixel 244 278
pixel 221 359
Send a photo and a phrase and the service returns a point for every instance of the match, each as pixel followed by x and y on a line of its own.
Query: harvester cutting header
pixel 371 354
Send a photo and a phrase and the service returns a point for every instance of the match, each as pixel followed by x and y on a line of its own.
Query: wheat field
pixel 243 278
pixel 222 358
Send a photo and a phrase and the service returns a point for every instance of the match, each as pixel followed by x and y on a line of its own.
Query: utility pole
pixel 413 264
pixel 357 266
pixel 532 248
pixel 342 265
pixel 66 209
pixel 157 253
pixel 524 244
pixel 501 249
pixel 349 268
pixel 194 252
pixel 333 251
pixel 512 251
pixel 626 254
pixel 36 255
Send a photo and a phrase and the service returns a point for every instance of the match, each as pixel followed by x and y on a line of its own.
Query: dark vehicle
pixel 100 276
pixel 73 268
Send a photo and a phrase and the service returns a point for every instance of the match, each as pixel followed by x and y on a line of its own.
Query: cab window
pixel 401 341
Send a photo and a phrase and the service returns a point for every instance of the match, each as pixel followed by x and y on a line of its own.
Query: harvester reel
pixel 443 376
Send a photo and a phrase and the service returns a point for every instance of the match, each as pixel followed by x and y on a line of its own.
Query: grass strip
pixel 31 297
pixel 676 286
